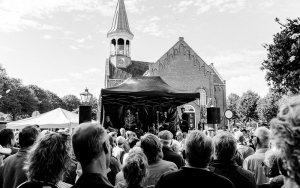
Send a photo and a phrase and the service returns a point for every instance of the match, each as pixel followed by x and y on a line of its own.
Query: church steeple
pixel 120 38
pixel 120 23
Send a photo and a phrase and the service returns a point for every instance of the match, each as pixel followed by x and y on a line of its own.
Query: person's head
pixel 128 112
pixel 261 137
pixel 239 137
pixel 285 132
pixel 165 114
pixel 7 138
pixel 244 131
pixel 107 118
pixel 199 149
pixel 152 148
pixel 120 141
pixel 270 164
pixel 28 136
pixel 165 137
pixel 132 142
pixel 225 146
pixel 91 145
pixel 211 132
pixel 179 135
pixel 182 110
pixel 49 158
pixel 135 168
pixel 113 135
pixel 122 132
pixel 128 135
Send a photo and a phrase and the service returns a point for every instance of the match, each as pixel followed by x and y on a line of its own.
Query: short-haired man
pixel 241 146
pixel 224 165
pixel 169 155
pixel 92 150
pixel 12 173
pixel 253 162
pixel 199 151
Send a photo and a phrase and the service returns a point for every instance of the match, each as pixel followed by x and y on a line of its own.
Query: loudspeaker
pixel 213 115
pixel 85 114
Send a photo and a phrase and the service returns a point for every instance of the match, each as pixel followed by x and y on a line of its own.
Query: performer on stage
pixel 108 125
pixel 130 122
pixel 184 121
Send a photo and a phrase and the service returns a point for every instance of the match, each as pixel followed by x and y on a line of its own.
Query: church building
pixel 180 67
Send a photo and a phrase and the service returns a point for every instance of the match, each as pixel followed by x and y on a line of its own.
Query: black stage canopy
pixel 146 92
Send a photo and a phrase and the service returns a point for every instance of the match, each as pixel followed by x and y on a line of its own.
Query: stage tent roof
pixel 58 118
pixel 147 91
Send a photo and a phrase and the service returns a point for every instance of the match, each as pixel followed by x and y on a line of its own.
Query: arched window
pixel 113 47
pixel 189 108
pixel 202 97
pixel 121 44
pixel 127 48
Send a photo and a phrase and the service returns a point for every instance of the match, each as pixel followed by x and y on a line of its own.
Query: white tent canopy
pixel 58 118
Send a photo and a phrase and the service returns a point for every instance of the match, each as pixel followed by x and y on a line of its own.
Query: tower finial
pixel 120 22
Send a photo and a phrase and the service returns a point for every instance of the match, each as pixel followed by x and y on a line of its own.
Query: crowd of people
pixel 91 157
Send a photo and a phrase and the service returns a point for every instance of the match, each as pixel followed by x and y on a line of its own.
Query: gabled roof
pixel 217 77
pixel 136 68
pixel 120 23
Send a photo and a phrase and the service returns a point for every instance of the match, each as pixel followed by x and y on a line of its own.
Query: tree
pixel 71 102
pixel 94 103
pixel 20 101
pixel 232 102
pixel 268 106
pixel 282 65
pixel 55 100
pixel 43 99
pixel 247 106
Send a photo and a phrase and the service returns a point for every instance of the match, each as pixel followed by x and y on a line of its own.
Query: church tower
pixel 120 38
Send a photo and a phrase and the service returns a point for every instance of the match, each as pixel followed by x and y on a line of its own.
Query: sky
pixel 62 45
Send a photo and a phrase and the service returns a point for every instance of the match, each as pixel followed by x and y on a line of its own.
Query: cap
pixel 120 140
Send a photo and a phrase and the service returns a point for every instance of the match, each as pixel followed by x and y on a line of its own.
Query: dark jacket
pixel 236 174
pixel 171 156
pixel 12 173
pixel 193 177
pixel 92 180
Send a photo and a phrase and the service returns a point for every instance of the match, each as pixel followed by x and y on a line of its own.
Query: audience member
pixel 199 151
pixel 210 132
pixel 47 161
pixel 12 173
pixel 181 140
pixel 7 140
pixel 152 148
pixel 225 149
pixel 135 168
pixel 123 132
pixel 271 171
pixel 131 143
pixel 169 155
pixel 92 150
pixel 114 166
pixel 285 130
pixel 253 162
pixel 245 150
pixel 119 149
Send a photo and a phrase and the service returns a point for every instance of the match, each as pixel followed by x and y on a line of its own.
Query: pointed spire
pixel 120 23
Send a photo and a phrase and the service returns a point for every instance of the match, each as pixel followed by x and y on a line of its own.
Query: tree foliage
pixel 17 99
pixel 247 105
pixel 71 102
pixel 44 102
pixel 232 101
pixel 268 106
pixel 282 65
pixel 55 100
